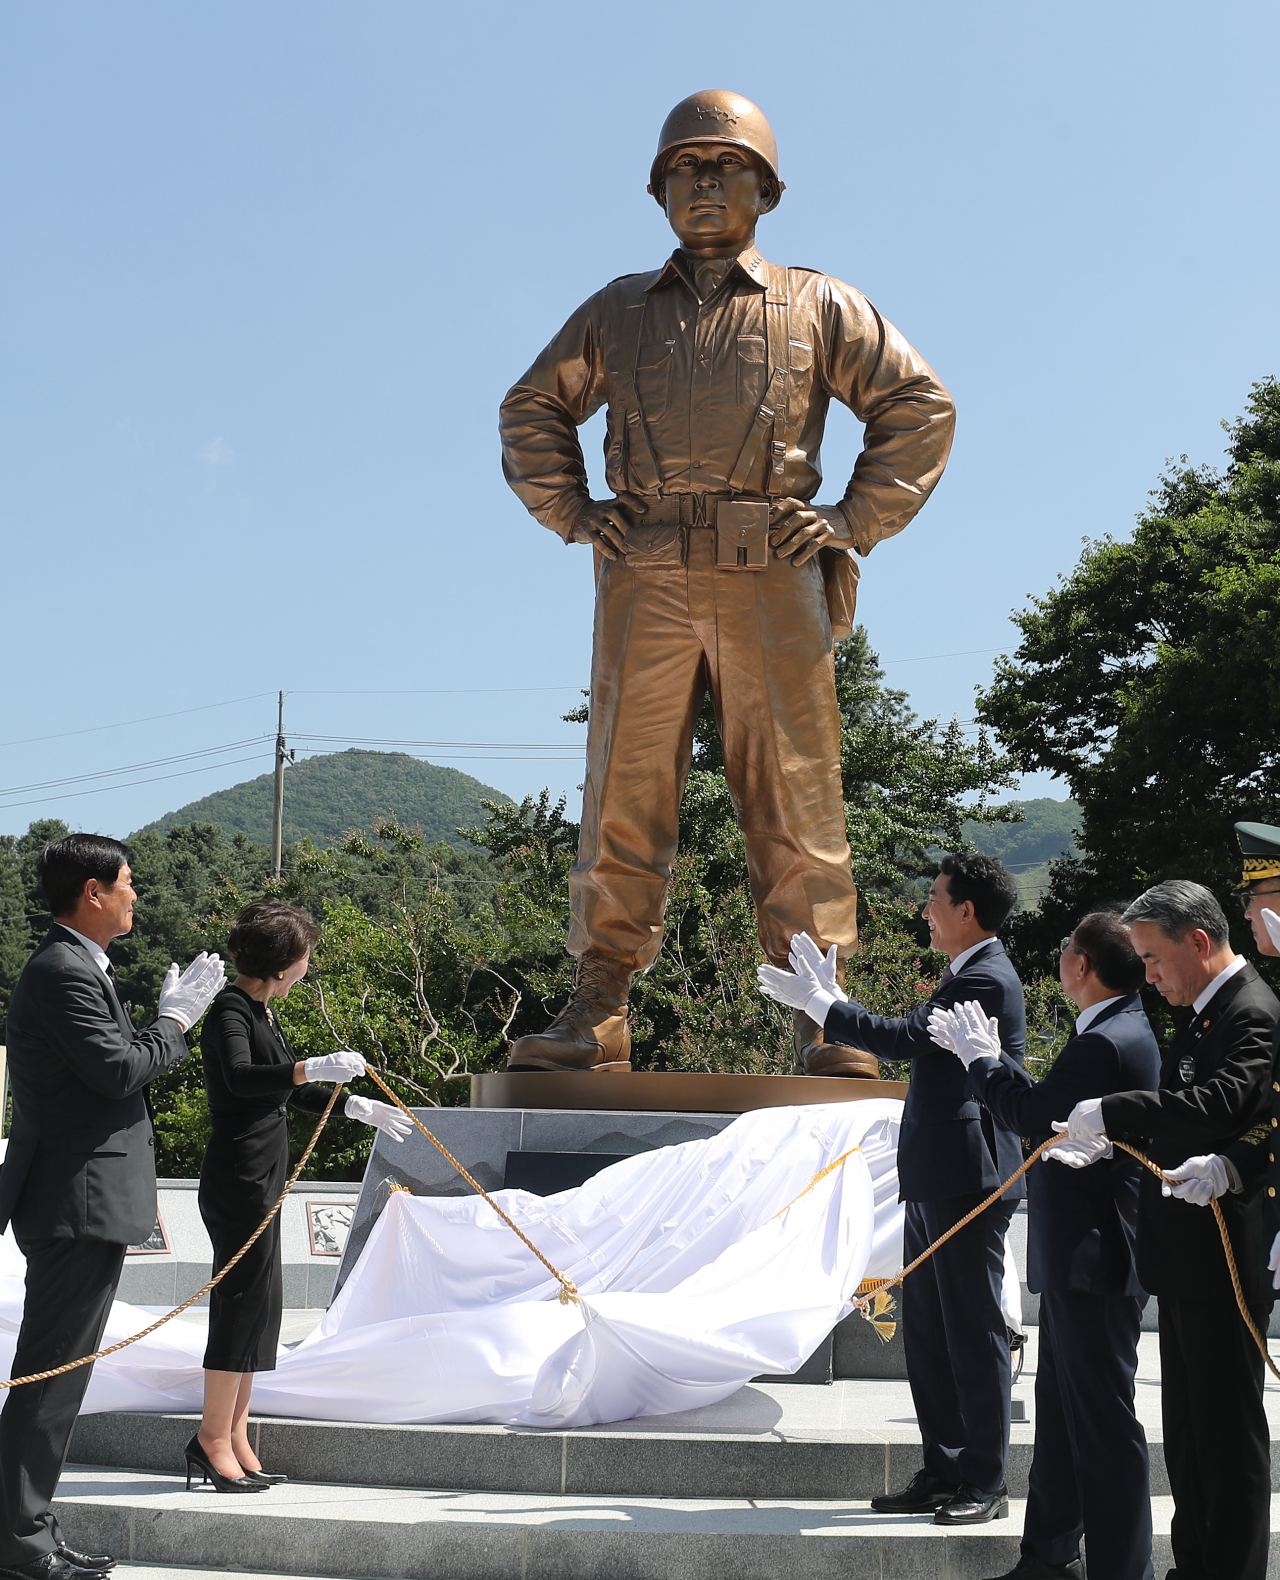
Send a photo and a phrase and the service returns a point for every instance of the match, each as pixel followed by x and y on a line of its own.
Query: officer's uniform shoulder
pixel 627 288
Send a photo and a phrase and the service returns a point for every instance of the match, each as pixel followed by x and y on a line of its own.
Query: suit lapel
pixel 64 935
pixel 1183 1060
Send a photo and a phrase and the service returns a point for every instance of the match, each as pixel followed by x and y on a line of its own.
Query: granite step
pixel 322 1530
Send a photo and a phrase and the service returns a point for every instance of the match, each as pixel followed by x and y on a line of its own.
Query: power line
pixel 125 723
pixel 925 658
pixel 73 795
pixel 132 768
pixel 358 740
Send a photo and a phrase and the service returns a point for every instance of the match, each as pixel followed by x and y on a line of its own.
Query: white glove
pixel 1272 924
pixel 1085 1121
pixel 825 968
pixel 1199 1180
pixel 185 997
pixel 1078 1152
pixel 381 1116
pixel 799 990
pixel 341 1066
pixel 1273 1263
pixel 967 1031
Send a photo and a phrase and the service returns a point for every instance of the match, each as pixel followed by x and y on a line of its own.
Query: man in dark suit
pixel 1215 1084
pixel 78 1181
pixel 951 1153
pixel 1090 1472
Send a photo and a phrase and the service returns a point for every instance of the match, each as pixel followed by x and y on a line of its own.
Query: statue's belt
pixel 691 510
pixel 658 540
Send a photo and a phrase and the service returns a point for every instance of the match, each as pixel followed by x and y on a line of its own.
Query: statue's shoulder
pixel 628 288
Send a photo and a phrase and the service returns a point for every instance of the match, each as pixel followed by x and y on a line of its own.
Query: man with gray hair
pixel 1215 1083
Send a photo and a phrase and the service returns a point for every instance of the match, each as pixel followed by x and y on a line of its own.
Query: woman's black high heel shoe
pixel 196 1460
pixel 264 1477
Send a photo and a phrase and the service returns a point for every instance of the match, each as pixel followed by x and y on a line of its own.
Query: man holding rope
pixel 1090 1471
pixel 79 1177
pixel 1215 1084
pixel 951 1154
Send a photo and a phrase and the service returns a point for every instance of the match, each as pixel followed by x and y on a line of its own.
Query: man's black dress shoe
pixel 99 1561
pixel 922 1495
pixel 970 1506
pixel 1029 1567
pixel 49 1566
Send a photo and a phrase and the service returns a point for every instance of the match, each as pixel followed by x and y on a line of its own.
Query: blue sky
pixel 270 268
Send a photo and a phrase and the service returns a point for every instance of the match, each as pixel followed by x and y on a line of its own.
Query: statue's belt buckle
pixel 742 535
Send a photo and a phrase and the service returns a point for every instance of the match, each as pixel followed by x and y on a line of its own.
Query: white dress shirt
pixel 96 952
pixel 1237 964
pixel 1086 1017
pixel 965 955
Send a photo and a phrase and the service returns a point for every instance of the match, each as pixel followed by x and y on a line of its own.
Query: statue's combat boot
pixel 591 1031
pixel 813 1056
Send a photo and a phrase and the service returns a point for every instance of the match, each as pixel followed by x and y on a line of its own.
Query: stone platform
pixel 306 1529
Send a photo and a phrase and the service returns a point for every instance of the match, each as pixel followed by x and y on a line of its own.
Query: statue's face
pixel 714 194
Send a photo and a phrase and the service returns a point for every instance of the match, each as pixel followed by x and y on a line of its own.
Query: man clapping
pixel 78 1181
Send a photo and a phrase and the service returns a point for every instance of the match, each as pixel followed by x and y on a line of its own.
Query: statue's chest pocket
pixel 653 377
pixel 751 365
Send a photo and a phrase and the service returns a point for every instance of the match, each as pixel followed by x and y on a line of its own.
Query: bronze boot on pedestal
pixel 591 1031
pixel 816 1057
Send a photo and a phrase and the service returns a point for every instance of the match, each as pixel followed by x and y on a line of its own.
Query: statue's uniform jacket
pixel 689 387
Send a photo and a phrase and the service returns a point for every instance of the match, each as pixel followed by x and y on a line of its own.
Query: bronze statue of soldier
pixel 715 571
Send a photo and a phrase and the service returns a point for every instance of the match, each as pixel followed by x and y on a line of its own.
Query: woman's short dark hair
pixel 985 882
pixel 66 865
pixel 1103 938
pixel 268 937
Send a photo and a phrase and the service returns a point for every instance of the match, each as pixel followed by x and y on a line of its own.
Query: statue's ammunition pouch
pixel 655 545
pixel 742 535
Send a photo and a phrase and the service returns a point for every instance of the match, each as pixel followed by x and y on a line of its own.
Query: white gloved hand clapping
pixel 185 996
pixel 1272 924
pixel 1198 1180
pixel 341 1066
pixel 967 1031
pixel 382 1116
pixel 1273 1263
pixel 825 968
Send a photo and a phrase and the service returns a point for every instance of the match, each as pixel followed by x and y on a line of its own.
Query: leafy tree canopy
pixel 1149 679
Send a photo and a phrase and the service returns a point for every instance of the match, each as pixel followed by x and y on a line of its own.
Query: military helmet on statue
pixel 716 116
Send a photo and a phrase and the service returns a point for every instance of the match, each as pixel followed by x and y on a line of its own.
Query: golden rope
pixel 87 1360
pixel 568 1289
pixel 881 1287
pixel 817 1178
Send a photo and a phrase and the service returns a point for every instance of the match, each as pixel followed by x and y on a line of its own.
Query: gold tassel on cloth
pixel 879 1308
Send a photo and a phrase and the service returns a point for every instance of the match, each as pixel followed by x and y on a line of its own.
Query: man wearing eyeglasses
pixel 1090 1470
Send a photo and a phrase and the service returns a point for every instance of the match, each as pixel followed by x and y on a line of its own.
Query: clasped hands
pixel 968 1032
pixel 799 529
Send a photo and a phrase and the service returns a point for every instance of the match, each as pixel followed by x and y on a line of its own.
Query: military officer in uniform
pixel 716 571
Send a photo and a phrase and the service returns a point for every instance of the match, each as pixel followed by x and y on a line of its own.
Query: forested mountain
pixel 1047 831
pixel 325 797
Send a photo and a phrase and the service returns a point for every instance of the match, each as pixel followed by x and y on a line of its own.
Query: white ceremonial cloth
pixel 696 1275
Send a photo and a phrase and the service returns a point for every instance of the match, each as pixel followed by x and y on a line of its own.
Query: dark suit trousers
pixel 1216 1443
pixel 957 1342
pixel 1090 1473
pixel 70 1287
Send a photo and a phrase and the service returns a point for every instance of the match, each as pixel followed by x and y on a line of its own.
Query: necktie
pixel 707 276
pixel 947 976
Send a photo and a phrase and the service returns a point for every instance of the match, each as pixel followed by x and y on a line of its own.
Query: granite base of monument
pixel 669 1091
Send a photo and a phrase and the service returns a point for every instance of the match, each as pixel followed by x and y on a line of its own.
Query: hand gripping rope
pixel 873 1289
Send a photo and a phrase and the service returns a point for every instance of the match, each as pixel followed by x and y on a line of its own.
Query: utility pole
pixel 277 820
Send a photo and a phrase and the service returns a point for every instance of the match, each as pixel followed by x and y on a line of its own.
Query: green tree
pixel 1149 679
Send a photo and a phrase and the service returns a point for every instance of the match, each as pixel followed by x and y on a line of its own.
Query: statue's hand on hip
pixel 603 523
pixel 800 530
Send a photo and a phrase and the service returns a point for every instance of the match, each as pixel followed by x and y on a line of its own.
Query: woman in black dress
pixel 252 1078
